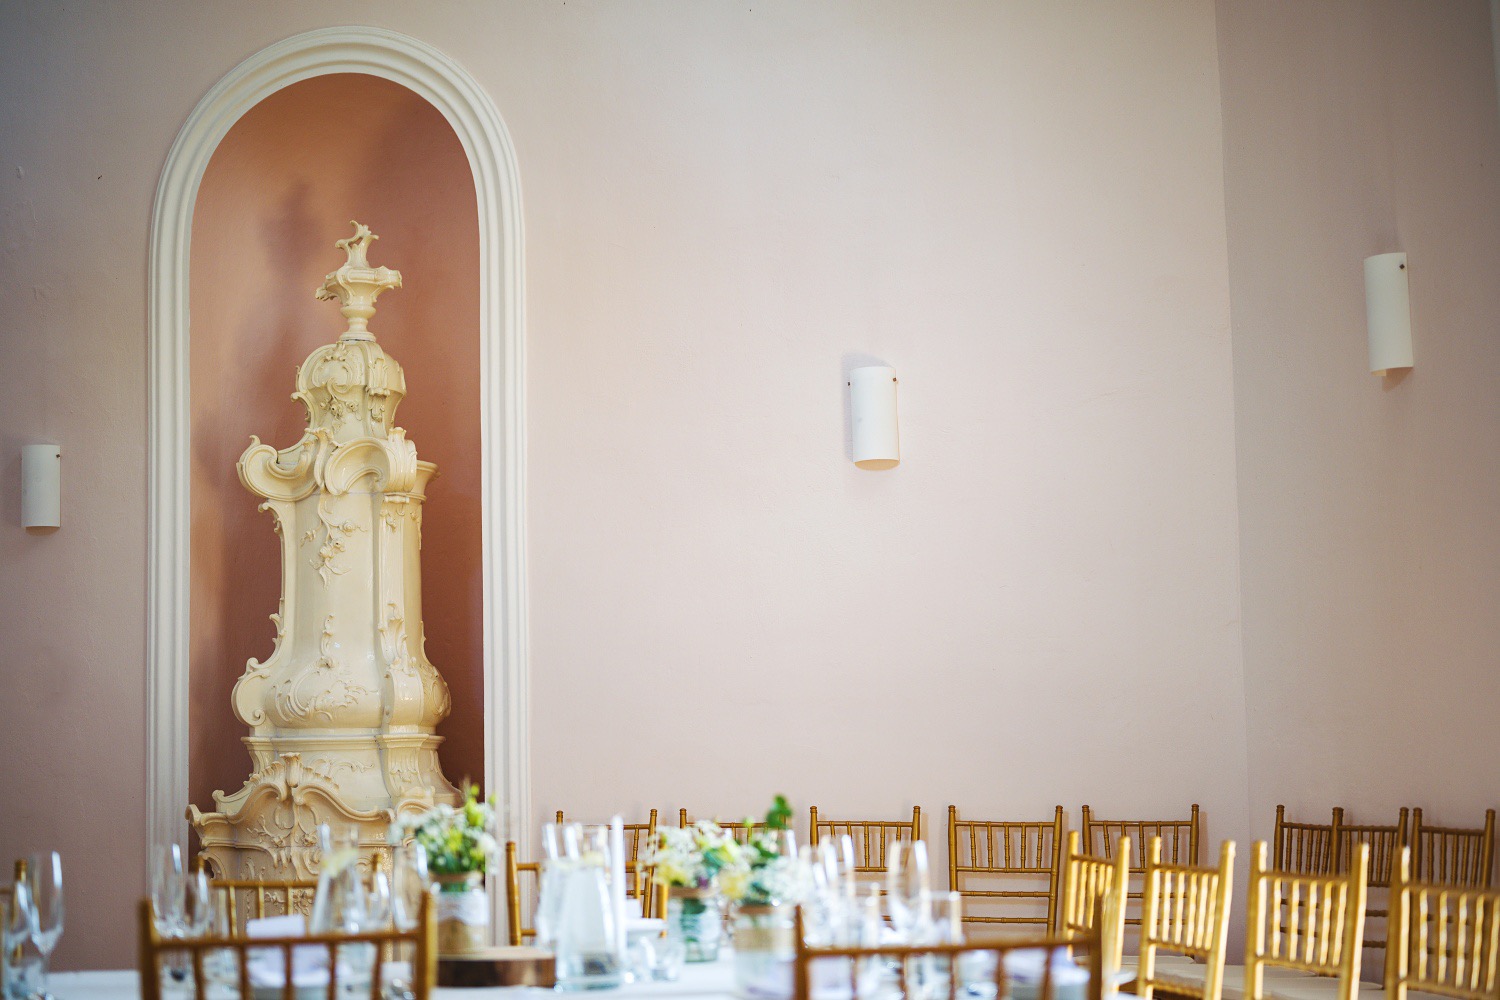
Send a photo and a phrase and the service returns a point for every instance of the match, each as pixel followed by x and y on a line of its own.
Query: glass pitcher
pixel 590 940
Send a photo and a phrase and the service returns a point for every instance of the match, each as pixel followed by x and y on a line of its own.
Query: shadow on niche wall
pixel 281 188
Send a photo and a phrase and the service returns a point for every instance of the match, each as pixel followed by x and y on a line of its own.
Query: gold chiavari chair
pixel 1179 838
pixel 518 930
pixel 983 852
pixel 1384 842
pixel 1309 925
pixel 1306 848
pixel 1445 940
pixel 1094 888
pixel 197 952
pixel 247 899
pixel 741 830
pixel 1185 911
pixel 906 957
pixel 1453 855
pixel 638 837
pixel 872 837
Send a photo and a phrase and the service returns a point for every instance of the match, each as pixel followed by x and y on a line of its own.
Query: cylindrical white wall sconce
pixel 872 416
pixel 1388 312
pixel 41 486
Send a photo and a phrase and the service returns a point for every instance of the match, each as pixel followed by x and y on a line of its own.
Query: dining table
pixel 698 981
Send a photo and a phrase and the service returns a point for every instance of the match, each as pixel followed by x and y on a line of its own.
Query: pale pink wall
pixel 282 186
pixel 1021 208
pixel 1370 546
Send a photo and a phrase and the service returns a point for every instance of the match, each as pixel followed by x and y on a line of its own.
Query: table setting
pixel 737 914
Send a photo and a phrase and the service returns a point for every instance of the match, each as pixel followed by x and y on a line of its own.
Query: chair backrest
pixel 1304 922
pixel 983 852
pixel 637 835
pixel 1384 840
pixel 1453 855
pixel 1179 841
pixel 1179 837
pixel 638 838
pixel 862 969
pixel 1445 939
pixel 871 837
pixel 197 954
pixel 518 930
pixel 741 830
pixel 251 899
pixel 1306 848
pixel 1185 910
pixel 1095 888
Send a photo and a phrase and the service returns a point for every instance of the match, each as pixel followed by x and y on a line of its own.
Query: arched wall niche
pixel 448 88
pixel 281 185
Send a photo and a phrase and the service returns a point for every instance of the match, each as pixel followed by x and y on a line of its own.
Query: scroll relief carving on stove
pixel 343 713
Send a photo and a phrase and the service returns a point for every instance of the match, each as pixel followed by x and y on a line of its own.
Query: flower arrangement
pixel 457 839
pixel 696 857
pixel 772 877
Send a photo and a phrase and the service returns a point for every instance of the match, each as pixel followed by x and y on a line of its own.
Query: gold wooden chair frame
pixel 1445 940
pixel 247 899
pixel 1384 842
pixel 1185 910
pixel 638 886
pixel 1453 855
pixel 742 830
pixel 638 883
pixel 516 928
pixel 636 835
pixel 872 837
pixel 988 849
pixel 903 956
pixel 1306 848
pixel 1305 923
pixel 422 940
pixel 1095 889
pixel 1179 838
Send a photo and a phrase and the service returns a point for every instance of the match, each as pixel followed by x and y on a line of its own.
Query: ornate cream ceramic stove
pixel 342 714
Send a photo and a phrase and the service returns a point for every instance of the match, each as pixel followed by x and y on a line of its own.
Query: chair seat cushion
pixel 1187 976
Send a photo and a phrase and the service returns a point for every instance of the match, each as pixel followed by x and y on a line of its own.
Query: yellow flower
pixel 734 882
pixel 670 873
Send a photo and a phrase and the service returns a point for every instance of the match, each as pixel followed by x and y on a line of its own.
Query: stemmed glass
pixel 14 932
pixel 908 886
pixel 197 904
pixel 409 884
pixel 47 909
pixel 167 903
pixel 409 887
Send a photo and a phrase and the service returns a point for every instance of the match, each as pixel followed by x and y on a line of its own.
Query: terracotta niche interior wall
pixel 281 187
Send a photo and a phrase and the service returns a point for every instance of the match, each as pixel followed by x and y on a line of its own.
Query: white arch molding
pixel 449 88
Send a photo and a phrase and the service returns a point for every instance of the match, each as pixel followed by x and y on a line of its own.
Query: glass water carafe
pixel 589 939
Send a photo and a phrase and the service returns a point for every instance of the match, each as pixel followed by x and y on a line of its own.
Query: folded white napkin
pixel 268 967
pixel 1029 964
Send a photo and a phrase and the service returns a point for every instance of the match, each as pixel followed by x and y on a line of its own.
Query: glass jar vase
pixel 463 913
pixel 695 919
pixel 764 947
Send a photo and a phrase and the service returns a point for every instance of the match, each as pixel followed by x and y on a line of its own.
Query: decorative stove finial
pixel 357 284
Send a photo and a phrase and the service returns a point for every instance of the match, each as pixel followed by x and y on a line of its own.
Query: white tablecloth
pixel 705 981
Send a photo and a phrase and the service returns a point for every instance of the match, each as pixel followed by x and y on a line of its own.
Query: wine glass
pixel 409 884
pixel 409 887
pixel 47 907
pixel 908 886
pixel 15 932
pixel 197 917
pixel 379 902
pixel 167 902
